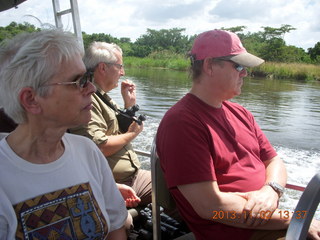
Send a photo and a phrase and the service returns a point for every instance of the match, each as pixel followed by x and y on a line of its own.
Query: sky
pixel 131 18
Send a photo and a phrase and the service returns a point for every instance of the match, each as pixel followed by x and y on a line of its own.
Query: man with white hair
pixel 105 62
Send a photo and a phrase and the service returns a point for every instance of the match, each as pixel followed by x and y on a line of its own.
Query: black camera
pixel 127 116
pixel 140 119
pixel 131 111
pixel 170 228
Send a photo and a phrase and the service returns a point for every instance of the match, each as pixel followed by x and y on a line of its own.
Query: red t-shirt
pixel 197 143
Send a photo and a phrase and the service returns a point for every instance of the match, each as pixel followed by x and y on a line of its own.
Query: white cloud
pixel 131 18
pixel 244 9
pixel 162 13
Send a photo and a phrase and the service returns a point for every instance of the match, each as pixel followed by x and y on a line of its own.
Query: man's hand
pixel 314 230
pixel 128 92
pixel 135 128
pixel 260 206
pixel 129 195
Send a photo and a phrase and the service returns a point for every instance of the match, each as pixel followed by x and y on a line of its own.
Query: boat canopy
pixel 7 4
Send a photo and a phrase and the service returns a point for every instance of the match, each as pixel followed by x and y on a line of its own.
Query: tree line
pixel 268 43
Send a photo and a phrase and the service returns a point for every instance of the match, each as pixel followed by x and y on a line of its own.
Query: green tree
pixel 141 50
pixel 127 48
pixel 164 39
pixel 272 49
pixel 268 44
pixel 98 37
pixel 292 54
pixel 273 46
pixel 237 30
pixel 125 40
pixel 271 33
pixel 253 42
pixel 315 53
pixel 14 28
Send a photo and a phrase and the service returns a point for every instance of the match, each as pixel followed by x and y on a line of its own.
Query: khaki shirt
pixel 103 124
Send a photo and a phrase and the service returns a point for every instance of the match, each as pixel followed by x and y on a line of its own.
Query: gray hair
pixel 195 69
pixel 8 49
pixel 100 52
pixel 33 64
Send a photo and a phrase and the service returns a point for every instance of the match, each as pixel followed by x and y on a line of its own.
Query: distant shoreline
pixel 273 70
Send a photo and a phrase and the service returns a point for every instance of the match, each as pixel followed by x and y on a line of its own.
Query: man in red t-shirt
pixel 222 171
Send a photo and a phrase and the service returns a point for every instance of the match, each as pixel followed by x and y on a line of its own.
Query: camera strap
pixel 107 102
pixel 113 107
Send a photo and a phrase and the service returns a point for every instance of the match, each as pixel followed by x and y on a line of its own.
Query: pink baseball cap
pixel 225 45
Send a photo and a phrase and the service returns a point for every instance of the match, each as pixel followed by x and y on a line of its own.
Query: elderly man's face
pixel 114 72
pixel 68 105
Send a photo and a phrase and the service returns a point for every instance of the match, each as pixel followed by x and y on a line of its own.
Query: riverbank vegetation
pixel 167 48
pixel 298 71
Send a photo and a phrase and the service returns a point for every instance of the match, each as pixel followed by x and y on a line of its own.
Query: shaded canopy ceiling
pixel 7 4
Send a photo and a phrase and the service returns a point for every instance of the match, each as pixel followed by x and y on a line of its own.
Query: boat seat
pixel 160 195
pixel 307 205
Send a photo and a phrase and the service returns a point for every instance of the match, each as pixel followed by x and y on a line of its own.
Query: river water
pixel 287 111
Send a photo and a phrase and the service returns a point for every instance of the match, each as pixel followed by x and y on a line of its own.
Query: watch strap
pixel 276 187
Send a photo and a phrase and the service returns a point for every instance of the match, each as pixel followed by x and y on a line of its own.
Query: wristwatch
pixel 276 187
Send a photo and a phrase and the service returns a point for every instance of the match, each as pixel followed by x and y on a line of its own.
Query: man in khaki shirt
pixel 105 62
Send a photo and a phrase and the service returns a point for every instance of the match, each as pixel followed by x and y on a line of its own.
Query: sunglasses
pixel 237 66
pixel 81 83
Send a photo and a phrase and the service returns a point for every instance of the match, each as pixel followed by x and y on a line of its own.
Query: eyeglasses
pixel 81 83
pixel 120 66
pixel 237 66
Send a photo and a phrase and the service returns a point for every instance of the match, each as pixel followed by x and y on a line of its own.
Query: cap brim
pixel 247 60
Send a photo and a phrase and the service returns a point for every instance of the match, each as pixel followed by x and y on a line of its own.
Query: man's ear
pixel 207 66
pixel 102 67
pixel 28 99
